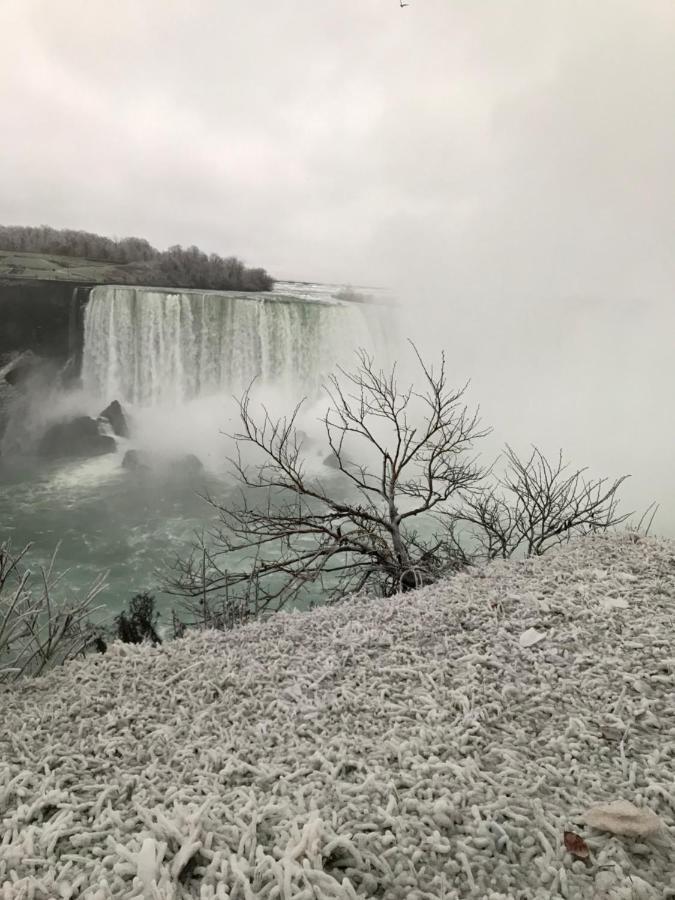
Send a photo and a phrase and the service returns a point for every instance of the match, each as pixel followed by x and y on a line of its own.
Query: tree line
pixel 138 261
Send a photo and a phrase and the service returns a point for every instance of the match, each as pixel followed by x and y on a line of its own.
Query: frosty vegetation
pixel 36 632
pixel 408 503
pixel 186 267
pixel 467 741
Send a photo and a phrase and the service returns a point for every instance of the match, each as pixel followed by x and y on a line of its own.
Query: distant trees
pixel 68 242
pixel 191 267
pixel 139 261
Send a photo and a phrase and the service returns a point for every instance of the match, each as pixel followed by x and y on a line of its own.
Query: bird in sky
pixel 402 4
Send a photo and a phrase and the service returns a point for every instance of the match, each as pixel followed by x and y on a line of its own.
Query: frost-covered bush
pixel 36 631
pixel 403 499
pixel 536 504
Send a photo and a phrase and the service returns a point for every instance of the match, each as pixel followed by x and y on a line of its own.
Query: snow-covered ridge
pixel 417 747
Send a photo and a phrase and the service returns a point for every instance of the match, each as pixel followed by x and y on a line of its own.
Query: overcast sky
pixel 506 166
pixel 512 145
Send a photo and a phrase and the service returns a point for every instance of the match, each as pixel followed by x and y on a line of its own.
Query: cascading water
pixel 149 347
pixel 174 360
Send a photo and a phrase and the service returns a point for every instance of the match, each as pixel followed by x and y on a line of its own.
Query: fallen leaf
pixel 614 603
pixel 622 817
pixel 576 845
pixel 531 637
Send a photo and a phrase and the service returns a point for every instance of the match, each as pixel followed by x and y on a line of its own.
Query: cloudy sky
pixel 510 145
pixel 506 166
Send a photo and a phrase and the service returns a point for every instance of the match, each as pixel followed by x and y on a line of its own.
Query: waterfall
pixel 150 347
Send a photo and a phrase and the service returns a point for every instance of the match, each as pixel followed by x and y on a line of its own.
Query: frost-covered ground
pixel 409 748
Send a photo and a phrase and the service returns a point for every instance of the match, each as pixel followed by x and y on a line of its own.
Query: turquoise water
pixel 130 525
pixel 103 518
pixel 174 360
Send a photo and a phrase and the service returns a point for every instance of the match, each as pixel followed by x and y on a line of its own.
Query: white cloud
pixel 508 166
pixel 336 139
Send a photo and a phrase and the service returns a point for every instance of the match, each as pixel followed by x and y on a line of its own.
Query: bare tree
pixel 300 534
pixel 535 505
pixel 36 632
pixel 417 511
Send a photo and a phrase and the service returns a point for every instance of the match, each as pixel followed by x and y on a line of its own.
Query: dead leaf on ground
pixel 622 817
pixel 531 637
pixel 576 845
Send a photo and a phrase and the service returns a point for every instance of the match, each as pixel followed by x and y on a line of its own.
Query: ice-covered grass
pixel 417 747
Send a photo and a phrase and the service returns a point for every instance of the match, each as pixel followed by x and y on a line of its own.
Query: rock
pixel 332 461
pixel 75 438
pixel 118 421
pixel 187 465
pixel 135 459
pixel 622 817
pixel 183 467
pixel 19 369
pixel 305 440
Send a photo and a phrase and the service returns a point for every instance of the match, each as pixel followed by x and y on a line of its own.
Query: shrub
pixel 407 502
pixel 139 622
pixel 37 632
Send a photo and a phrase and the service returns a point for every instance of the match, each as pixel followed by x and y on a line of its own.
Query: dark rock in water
pixel 304 439
pixel 186 465
pixel 183 467
pixel 332 461
pixel 19 369
pixel 78 437
pixel 131 460
pixel 135 459
pixel 118 421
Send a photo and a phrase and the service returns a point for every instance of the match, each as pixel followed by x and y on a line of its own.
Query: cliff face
pixel 42 316
pixel 45 317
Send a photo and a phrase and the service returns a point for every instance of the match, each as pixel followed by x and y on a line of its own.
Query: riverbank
pixel 436 744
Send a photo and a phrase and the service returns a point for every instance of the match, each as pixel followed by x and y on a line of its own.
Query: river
pixel 174 360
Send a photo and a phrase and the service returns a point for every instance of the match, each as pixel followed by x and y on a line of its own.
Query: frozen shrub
pixel 36 631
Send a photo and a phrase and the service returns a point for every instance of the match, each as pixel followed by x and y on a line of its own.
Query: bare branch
pixel 404 463
pixel 36 632
pixel 294 535
pixel 537 504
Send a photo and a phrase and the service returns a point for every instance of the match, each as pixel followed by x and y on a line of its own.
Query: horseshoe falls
pixel 155 347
